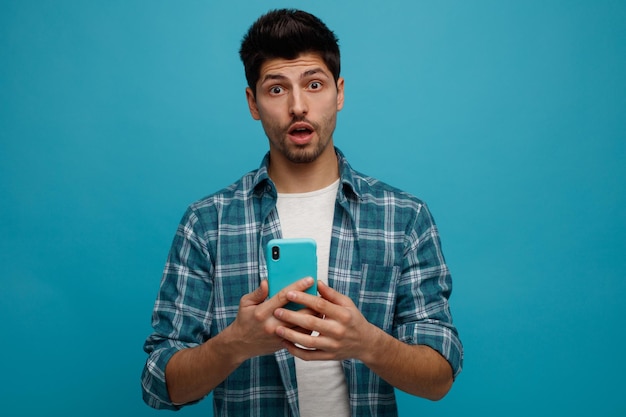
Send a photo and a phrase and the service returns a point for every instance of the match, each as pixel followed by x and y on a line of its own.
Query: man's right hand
pixel 193 373
pixel 255 324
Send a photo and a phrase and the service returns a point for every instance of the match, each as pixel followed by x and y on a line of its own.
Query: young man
pixel 381 319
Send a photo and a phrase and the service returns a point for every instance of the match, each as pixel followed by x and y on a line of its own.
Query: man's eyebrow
pixel 313 71
pixel 305 74
pixel 268 77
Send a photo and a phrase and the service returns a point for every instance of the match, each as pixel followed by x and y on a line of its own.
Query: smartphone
pixel 289 260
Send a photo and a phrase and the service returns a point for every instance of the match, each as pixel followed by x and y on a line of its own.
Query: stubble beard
pixel 302 154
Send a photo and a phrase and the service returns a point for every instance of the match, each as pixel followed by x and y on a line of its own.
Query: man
pixel 381 319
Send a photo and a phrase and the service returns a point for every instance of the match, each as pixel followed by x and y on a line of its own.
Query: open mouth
pixel 301 131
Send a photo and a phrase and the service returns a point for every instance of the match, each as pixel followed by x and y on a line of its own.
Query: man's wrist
pixel 376 346
pixel 228 345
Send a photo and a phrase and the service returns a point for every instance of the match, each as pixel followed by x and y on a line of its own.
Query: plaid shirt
pixel 385 255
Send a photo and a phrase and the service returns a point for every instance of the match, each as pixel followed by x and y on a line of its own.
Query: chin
pixel 302 156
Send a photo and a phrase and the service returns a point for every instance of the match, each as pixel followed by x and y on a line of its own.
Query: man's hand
pixel 255 325
pixel 343 331
pixel 193 373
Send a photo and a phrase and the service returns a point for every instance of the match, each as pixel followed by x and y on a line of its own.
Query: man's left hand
pixel 343 331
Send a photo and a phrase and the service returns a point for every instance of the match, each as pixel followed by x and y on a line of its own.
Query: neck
pixel 290 177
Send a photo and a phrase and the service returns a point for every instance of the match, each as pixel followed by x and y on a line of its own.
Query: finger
pixel 296 337
pixel 278 313
pixel 312 302
pixel 305 320
pixel 298 344
pixel 307 354
pixel 280 299
pixel 333 296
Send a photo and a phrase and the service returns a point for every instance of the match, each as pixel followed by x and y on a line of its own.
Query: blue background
pixel 507 117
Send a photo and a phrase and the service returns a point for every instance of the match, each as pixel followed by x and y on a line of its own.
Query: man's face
pixel 297 102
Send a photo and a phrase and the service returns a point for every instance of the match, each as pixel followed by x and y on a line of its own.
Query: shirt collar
pixel 262 183
pixel 351 187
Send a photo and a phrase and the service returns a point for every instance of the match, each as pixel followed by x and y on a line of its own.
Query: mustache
pixel 301 119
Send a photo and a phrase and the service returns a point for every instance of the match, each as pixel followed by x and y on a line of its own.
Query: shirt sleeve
pixel 423 312
pixel 181 316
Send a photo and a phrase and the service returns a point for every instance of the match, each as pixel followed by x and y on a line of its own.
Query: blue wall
pixel 508 118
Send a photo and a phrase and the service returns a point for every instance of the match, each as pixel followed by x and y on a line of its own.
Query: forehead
pixel 293 68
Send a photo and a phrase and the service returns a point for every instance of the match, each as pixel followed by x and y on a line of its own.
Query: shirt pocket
pixel 377 295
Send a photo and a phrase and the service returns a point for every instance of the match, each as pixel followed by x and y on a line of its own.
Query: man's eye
pixel 276 90
pixel 315 85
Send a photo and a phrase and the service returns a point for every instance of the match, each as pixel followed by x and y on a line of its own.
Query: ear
pixel 340 86
pixel 254 110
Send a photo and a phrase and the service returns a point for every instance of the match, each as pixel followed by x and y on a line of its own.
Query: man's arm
pixel 346 334
pixel 417 369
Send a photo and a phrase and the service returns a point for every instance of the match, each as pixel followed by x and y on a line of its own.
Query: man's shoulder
pixel 237 191
pixel 372 188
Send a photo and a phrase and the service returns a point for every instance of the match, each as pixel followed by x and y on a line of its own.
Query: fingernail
pixel 280 331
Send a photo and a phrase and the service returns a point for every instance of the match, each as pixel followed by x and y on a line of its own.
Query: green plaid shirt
pixel 385 255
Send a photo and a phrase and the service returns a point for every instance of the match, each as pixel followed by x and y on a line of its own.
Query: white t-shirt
pixel 322 387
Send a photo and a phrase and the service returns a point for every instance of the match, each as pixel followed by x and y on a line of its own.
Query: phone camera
pixel 275 253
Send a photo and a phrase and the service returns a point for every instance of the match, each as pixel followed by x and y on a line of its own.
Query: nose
pixel 298 105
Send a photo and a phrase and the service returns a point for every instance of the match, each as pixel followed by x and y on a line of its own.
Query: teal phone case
pixel 297 259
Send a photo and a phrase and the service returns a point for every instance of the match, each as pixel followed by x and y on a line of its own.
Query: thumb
pixel 257 296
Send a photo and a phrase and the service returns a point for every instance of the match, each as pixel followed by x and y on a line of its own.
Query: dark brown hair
pixel 287 33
